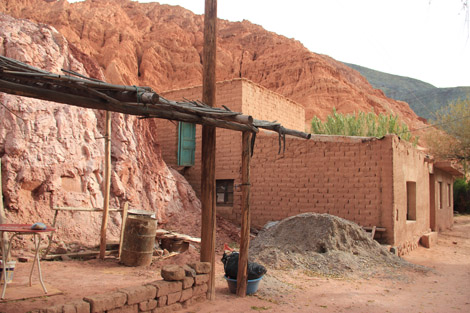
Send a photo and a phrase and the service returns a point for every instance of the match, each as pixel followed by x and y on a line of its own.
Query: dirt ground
pixel 444 288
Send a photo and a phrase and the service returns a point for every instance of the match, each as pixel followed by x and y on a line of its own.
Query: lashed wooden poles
pixel 107 184
pixel 246 216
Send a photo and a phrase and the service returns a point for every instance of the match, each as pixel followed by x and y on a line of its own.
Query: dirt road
pixel 444 288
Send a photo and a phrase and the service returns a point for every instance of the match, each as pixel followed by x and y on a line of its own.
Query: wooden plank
pixel 84 209
pixel 107 184
pixel 81 254
pixel 123 226
pixel 208 216
pixel 373 232
pixel 162 233
pixel 380 229
pixel 242 275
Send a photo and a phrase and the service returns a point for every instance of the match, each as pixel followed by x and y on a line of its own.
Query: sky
pixel 424 39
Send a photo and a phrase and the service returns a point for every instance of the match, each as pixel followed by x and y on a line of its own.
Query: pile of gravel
pixel 324 244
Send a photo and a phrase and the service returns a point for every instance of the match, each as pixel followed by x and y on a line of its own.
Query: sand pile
pixel 324 244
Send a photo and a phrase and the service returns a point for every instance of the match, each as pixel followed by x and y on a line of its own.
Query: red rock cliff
pixel 53 154
pixel 161 46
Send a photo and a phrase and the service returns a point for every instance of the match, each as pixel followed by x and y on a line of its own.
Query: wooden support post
pixel 123 226
pixel 2 208
pixel 245 218
pixel 208 214
pixel 3 217
pixel 107 183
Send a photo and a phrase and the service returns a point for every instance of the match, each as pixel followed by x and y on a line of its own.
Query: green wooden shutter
pixel 186 143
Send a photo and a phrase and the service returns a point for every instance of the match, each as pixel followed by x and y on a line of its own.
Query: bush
pixel 461 196
pixel 362 124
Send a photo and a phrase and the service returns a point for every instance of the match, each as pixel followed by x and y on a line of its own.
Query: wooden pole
pixel 208 214
pixel 3 217
pixel 123 227
pixel 2 208
pixel 107 183
pixel 245 218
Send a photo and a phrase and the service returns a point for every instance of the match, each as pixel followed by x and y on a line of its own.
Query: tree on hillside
pixel 362 124
pixel 452 138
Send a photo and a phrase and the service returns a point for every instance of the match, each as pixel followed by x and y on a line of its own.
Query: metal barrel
pixel 139 240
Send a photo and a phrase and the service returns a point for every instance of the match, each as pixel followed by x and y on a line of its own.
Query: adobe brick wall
pixel 409 164
pixel 155 297
pixel 445 214
pixel 342 176
pixel 359 179
pixel 240 95
pixel 264 104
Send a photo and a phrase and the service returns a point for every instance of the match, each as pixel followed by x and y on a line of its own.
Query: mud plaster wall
pixel 444 213
pixel 409 165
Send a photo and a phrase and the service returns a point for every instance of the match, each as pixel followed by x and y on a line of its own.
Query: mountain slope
pixel 161 46
pixel 423 98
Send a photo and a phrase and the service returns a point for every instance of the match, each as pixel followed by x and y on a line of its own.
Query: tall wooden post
pixel 2 208
pixel 208 145
pixel 245 218
pixel 107 183
pixel 3 217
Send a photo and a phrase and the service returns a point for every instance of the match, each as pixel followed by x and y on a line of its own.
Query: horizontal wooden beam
pixel 126 108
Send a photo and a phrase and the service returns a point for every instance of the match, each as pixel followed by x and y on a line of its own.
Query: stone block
pixel 186 294
pixel 168 309
pixel 105 302
pixel 77 306
pixel 186 304
pixel 148 305
pixel 174 297
pixel 162 301
pixel 429 240
pixel 125 309
pixel 201 279
pixel 201 267
pixel 188 282
pixel 139 294
pixel 166 287
pixel 172 272
pixel 199 289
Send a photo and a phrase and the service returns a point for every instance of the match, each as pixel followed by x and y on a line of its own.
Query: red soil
pixel 443 289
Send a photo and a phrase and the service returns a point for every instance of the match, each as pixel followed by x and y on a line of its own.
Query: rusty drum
pixel 139 240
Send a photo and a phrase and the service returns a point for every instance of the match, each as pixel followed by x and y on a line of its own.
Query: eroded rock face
pixel 53 154
pixel 161 46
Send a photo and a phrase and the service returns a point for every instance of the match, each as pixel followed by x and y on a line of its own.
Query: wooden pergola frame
pixel 72 88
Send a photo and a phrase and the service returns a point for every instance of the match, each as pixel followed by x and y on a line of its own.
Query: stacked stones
pixel 181 286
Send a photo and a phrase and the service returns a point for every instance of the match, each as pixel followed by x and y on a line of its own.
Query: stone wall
pixel 160 296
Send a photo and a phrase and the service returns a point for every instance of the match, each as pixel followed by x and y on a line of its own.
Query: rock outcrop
pixel 53 154
pixel 161 46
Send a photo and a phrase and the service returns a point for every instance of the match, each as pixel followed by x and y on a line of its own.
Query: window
pixel 411 201
pixel 224 192
pixel 449 194
pixel 186 143
pixel 439 194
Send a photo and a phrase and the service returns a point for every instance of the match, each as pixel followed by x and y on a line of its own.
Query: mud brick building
pixel 386 182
